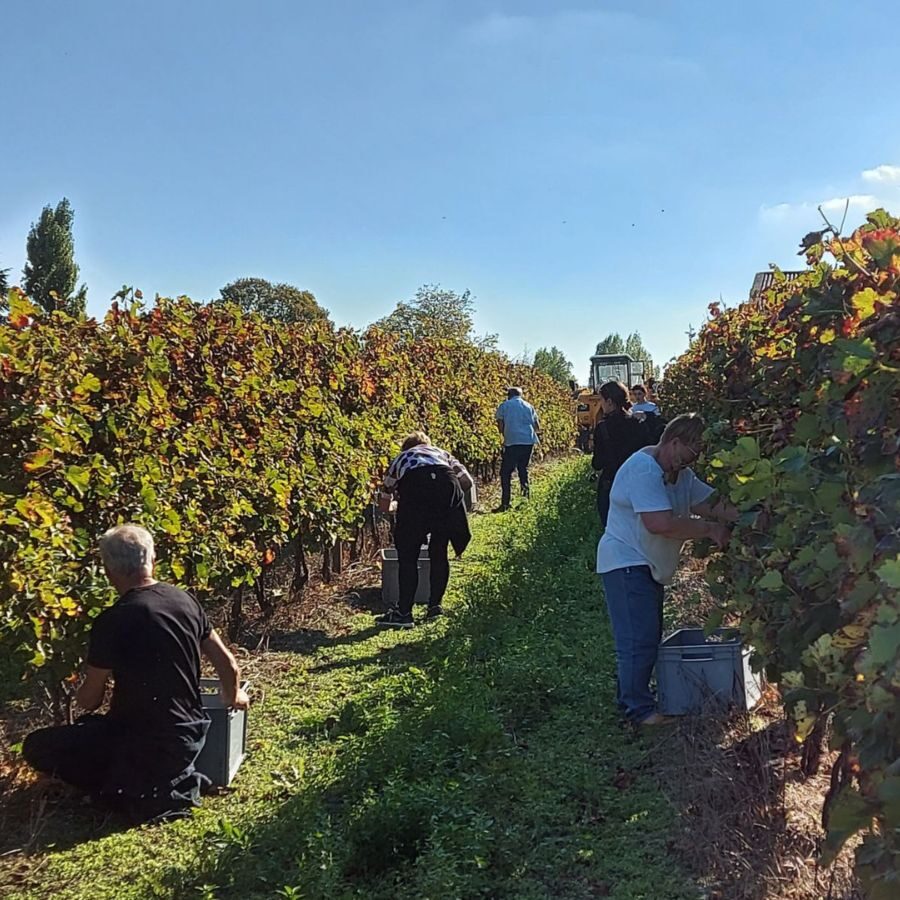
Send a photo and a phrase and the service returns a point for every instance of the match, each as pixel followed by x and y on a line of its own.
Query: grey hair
pixel 513 392
pixel 128 550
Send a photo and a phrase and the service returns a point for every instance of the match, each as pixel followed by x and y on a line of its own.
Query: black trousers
pixel 139 775
pixel 515 458
pixel 603 489
pixel 81 754
pixel 430 502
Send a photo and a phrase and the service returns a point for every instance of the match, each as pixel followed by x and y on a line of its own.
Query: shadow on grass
pixel 368 599
pixel 47 814
pixel 308 641
pixel 397 657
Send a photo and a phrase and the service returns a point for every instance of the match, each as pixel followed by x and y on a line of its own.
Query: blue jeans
pixel 634 601
pixel 515 458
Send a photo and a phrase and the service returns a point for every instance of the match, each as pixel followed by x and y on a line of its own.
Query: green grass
pixel 478 756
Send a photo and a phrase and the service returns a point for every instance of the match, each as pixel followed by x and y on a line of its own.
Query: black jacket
pixel 616 437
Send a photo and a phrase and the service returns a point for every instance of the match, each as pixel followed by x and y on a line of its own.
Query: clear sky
pixel 582 167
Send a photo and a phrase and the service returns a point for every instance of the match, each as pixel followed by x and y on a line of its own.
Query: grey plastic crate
pixel 226 740
pixel 390 576
pixel 695 674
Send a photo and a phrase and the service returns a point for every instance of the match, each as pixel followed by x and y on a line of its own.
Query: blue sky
pixel 581 167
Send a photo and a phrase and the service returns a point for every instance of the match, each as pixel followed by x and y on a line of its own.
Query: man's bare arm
pixel 92 690
pixel 227 669
pixel 665 524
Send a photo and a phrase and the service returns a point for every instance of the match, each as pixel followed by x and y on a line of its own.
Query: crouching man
pixel 139 757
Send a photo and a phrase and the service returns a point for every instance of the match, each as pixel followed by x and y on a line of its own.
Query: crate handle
pixel 695 658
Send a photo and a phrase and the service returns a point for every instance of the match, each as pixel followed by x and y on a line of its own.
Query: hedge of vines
pixel 227 436
pixel 802 390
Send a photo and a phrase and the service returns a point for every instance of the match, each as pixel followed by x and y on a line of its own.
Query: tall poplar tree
pixel 50 273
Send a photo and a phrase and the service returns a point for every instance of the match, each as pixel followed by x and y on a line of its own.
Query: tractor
pixel 588 411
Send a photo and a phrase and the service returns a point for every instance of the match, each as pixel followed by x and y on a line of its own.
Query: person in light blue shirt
pixel 519 425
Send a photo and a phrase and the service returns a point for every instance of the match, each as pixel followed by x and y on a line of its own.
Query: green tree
pixel 635 348
pixel 274 302
pixel 612 343
pixel 437 313
pixel 4 289
pixel 50 273
pixel 553 361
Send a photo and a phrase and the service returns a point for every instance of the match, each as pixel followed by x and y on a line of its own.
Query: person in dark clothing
pixel 429 485
pixel 139 757
pixel 616 436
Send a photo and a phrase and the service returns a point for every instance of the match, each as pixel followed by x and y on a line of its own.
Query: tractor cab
pixel 615 367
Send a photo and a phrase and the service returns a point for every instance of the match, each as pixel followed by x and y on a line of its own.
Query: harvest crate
pixel 697 674
pixel 390 576
pixel 226 740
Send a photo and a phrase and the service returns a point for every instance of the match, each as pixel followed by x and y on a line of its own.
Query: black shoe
pixel 503 507
pixel 434 612
pixel 393 618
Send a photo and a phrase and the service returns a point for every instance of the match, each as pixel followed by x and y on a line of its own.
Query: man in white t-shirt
pixel 656 504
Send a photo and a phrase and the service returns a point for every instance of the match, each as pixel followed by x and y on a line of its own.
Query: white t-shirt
pixel 640 486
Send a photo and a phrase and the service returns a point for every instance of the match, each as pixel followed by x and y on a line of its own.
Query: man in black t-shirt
pixel 141 754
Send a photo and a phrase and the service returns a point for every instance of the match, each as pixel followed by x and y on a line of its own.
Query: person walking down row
pixel 518 422
pixel 653 504
pixel 616 436
pixel 429 484
pixel 139 758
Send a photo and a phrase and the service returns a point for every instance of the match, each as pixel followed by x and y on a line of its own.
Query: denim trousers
pixel 515 459
pixel 634 601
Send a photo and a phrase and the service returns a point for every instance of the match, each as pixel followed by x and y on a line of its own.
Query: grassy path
pixel 478 756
